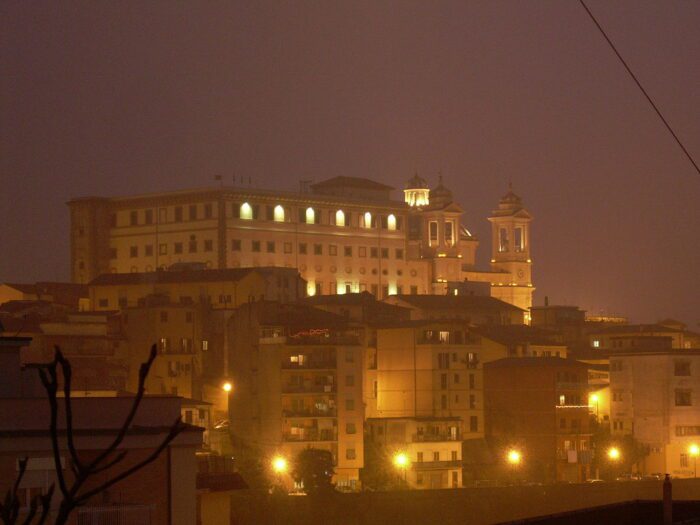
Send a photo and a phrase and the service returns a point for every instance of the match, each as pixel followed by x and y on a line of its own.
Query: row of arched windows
pixel 278 213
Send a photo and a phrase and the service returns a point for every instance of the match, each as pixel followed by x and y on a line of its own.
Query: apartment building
pixel 194 284
pixel 655 397
pixel 673 334
pixel 538 406
pixel 429 448
pixel 297 374
pixel 344 235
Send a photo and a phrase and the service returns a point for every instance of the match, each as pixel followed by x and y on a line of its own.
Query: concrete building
pixel 628 337
pixel 474 309
pixel 344 235
pixel 538 407
pixel 297 376
pixel 656 398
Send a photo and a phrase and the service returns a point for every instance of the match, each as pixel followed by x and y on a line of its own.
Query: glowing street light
pixel 593 400
pixel 401 462
pixel 694 450
pixel 279 465
pixel 614 454
pixel 227 386
pixel 514 457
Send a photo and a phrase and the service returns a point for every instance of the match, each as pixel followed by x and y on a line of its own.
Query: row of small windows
pixel 257 246
pixel 276 213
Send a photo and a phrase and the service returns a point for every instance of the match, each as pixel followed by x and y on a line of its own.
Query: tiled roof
pixel 458 302
pixel 165 277
pixel 352 182
pixel 519 334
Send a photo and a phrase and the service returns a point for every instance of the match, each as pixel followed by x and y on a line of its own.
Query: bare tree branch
pixel 76 464
pixel 175 430
pixel 50 385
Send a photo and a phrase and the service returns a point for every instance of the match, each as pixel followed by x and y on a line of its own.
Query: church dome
pixel 416 182
pixel 510 203
pixel 440 196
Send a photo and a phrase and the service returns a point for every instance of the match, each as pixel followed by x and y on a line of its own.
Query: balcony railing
pixel 116 515
pixel 333 339
pixel 311 364
pixel 425 438
pixel 312 435
pixel 331 412
pixel 434 465
pixel 309 389
pixel 567 385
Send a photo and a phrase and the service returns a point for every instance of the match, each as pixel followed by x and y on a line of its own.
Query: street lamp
pixel 514 457
pixel 614 454
pixel 279 465
pixel 694 450
pixel 593 400
pixel 227 387
pixel 401 462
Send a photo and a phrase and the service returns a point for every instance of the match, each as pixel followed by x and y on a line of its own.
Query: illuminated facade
pixel 344 235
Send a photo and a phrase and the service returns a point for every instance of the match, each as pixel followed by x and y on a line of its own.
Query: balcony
pixel 323 340
pixel 117 515
pixel 310 364
pixel 435 465
pixel 434 438
pixel 566 385
pixel 310 412
pixel 311 435
pixel 309 389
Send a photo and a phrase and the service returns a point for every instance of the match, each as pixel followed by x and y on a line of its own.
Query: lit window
pixel 502 240
pixel 391 222
pixel 433 232
pixel 367 219
pixel 596 343
pixel 278 214
pixel 449 229
pixel 340 218
pixel 310 216
pixel 246 211
pixel 518 239
pixel 310 289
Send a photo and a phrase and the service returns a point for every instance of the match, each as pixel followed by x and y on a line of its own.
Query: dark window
pixel 188 317
pixel 302 248
pixel 374 252
pixel 134 251
pixel 385 253
pixel 236 245
pixel 683 398
pixel 178 213
pixel 133 218
pixel 178 247
pixel 318 249
pixel 473 423
pixel 193 212
pixel 681 368
pixel 192 247
pixel 287 247
pixel 149 250
pixel 208 245
pixel 208 212
pixel 347 251
pixel 399 253
pixel 270 246
pixel 256 246
pixel 149 216
pixel 163 316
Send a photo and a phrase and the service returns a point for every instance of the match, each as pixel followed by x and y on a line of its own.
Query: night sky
pixel 119 98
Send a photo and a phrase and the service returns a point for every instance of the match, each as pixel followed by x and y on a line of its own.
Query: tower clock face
pixel 521 274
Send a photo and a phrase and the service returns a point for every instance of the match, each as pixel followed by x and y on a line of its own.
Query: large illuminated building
pixel 343 234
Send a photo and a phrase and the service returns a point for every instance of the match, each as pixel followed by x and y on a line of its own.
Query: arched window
pixel 246 211
pixel 310 216
pixel 340 218
pixel 391 222
pixel 278 214
pixel 367 217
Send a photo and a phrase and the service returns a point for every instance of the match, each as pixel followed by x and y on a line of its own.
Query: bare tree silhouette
pixel 74 492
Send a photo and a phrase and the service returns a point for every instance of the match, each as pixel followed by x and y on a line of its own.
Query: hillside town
pixel 336 319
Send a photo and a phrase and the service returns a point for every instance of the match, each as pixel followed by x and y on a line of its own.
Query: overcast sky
pixel 114 98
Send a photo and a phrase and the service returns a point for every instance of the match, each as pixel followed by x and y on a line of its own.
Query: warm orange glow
pixel 279 464
pixel 401 460
pixel 227 386
pixel 614 453
pixel 514 457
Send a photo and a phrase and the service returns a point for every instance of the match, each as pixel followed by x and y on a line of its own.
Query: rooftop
pixel 185 276
pixel 459 302
pixel 351 182
pixel 534 362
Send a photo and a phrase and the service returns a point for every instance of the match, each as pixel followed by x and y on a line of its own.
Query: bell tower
pixel 510 252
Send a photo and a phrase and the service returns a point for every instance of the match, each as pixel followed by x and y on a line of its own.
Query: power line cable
pixel 636 80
